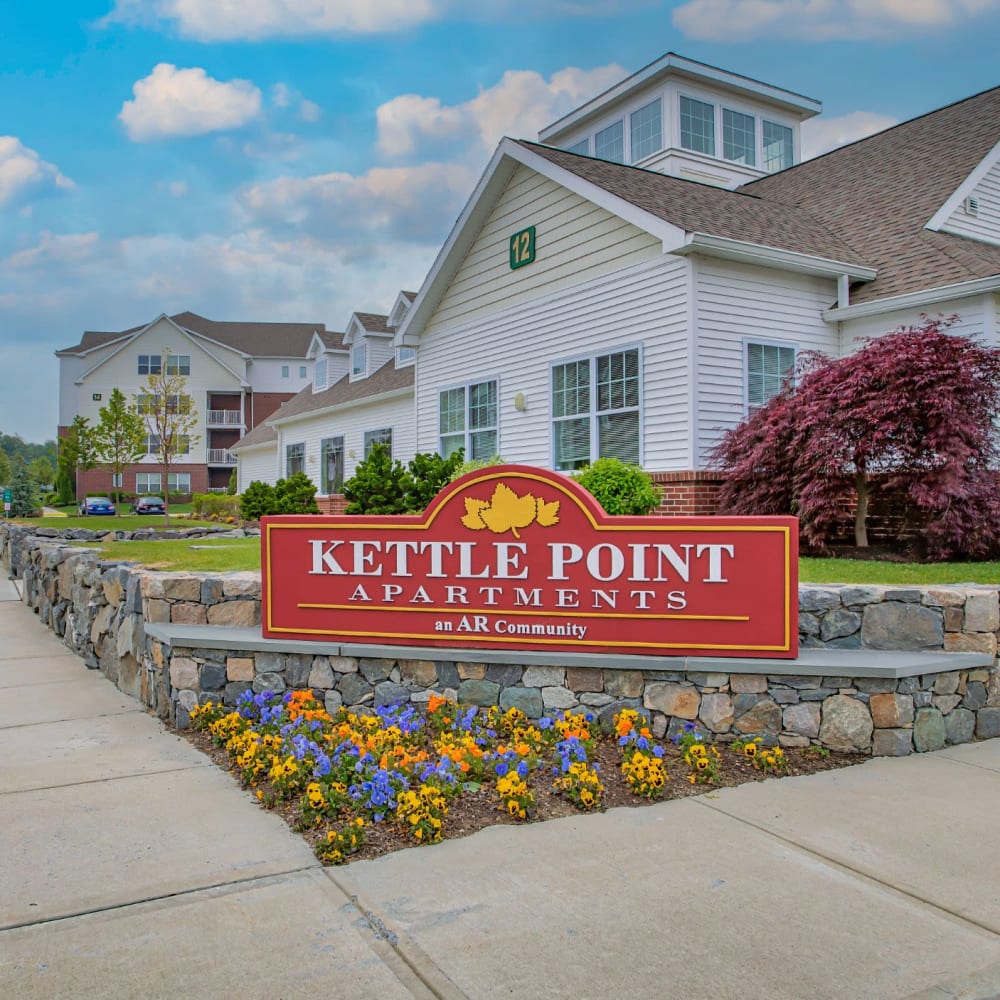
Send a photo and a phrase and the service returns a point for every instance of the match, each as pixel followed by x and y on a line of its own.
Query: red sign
pixel 513 557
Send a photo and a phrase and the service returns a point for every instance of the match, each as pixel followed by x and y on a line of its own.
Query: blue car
pixel 97 505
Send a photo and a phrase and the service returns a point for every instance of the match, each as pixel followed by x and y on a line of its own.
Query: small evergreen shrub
pixel 380 485
pixel 23 492
pixel 429 474
pixel 295 495
pixel 231 488
pixel 257 500
pixel 475 464
pixel 618 487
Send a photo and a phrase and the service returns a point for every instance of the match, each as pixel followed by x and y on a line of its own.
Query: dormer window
pixel 698 126
pixel 319 376
pixel 359 359
pixel 405 355
pixel 738 142
pixel 609 143
pixel 647 130
pixel 582 147
pixel 778 151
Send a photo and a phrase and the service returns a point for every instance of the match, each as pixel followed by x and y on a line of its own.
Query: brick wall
pixel 336 503
pixel 99 480
pixel 262 405
pixel 688 493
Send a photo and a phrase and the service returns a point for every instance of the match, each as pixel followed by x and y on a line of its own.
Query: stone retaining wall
pixel 102 609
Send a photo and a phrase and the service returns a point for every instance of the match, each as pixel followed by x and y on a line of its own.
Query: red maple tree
pixel 914 410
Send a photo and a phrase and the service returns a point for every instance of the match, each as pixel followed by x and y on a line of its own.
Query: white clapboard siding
pixel 741 302
pixel 257 465
pixel 641 305
pixel 352 423
pixel 985 224
pixel 970 312
pixel 574 242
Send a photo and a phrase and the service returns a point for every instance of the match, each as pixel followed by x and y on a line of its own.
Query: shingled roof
pixel 261 340
pixel 374 322
pixel 877 194
pixel 388 378
pixel 701 208
pixel 261 434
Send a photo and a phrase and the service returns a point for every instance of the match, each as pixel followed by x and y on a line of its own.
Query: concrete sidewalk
pixel 131 866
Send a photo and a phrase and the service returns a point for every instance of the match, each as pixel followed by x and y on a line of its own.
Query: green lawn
pixel 201 555
pixel 127 522
pixel 213 556
pixel 861 571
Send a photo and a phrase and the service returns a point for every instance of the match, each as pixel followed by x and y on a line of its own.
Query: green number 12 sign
pixel 522 248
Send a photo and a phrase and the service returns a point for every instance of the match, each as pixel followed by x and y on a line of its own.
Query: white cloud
pixel 283 96
pixel 519 105
pixel 182 102
pixel 220 20
pixel 820 135
pixel 413 204
pixel 817 20
pixel 24 173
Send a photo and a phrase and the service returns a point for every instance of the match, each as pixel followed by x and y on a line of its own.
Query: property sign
pixel 522 248
pixel 7 501
pixel 513 557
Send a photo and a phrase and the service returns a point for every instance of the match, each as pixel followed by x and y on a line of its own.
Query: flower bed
pixel 367 784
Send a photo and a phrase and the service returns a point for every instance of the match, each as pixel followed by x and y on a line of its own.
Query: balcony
pixel 219 456
pixel 225 418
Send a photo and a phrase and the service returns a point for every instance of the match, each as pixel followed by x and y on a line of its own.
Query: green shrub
pixel 429 474
pixel 23 492
pixel 380 485
pixel 618 487
pixel 215 505
pixel 295 495
pixel 258 499
pixel 231 488
pixel 475 464
pixel 64 487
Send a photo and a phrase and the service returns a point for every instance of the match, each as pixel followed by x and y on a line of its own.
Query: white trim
pixel 990 329
pixel 804 107
pixel 591 356
pixel 70 353
pixel 925 297
pixel 693 361
pixel 376 430
pixel 381 397
pixel 508 155
pixel 762 342
pixel 192 336
pixel 358 376
pixel 944 213
pixel 789 260
pixel 399 309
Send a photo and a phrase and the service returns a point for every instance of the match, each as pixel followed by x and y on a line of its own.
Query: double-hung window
pixel 382 436
pixel 152 444
pixel 698 126
pixel 467 418
pixel 319 376
pixel 332 465
pixel 179 364
pixel 179 482
pixel 647 130
pixel 405 355
pixel 146 403
pixel 582 147
pixel 149 364
pixel 359 359
pixel 295 458
pixel 768 366
pixel 595 409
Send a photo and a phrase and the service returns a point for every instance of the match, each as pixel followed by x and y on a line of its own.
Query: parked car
pixel 97 505
pixel 148 505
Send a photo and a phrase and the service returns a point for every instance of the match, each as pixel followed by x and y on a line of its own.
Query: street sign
pixel 6 496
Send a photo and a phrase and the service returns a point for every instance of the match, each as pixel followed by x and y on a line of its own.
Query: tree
pixel 76 452
pixel 23 492
pixel 5 469
pixel 120 437
pixel 41 471
pixel 915 408
pixel 170 418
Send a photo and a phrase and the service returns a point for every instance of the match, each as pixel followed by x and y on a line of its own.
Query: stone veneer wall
pixel 102 609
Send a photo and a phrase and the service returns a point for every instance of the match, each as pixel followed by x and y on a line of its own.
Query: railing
pixel 224 418
pixel 219 456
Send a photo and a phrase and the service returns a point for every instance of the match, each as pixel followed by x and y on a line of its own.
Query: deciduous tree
pixel 169 415
pixel 120 437
pixel 916 408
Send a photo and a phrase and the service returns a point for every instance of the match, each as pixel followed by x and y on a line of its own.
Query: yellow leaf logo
pixel 506 511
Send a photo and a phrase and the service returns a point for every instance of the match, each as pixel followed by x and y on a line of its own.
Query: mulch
pixel 475 810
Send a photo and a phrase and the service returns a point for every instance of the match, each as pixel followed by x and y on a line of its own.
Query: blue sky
pixel 300 159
